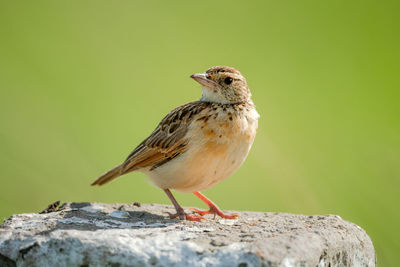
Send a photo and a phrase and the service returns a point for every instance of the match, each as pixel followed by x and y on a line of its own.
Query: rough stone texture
pixel 94 234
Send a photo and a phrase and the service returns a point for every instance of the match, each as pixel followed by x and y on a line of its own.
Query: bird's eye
pixel 228 80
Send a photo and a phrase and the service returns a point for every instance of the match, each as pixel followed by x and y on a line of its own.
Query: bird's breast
pixel 218 143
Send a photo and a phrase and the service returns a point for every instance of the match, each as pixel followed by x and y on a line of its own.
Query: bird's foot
pixel 185 216
pixel 213 208
pixel 216 211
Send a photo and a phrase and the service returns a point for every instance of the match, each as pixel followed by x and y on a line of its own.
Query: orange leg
pixel 179 210
pixel 213 208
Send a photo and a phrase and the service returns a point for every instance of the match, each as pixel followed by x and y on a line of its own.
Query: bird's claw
pixel 216 211
pixel 200 212
pixel 188 217
pixel 194 217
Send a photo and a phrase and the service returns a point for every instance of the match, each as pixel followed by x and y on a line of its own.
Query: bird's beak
pixel 202 79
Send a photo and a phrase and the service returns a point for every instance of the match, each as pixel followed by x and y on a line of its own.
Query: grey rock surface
pixel 96 234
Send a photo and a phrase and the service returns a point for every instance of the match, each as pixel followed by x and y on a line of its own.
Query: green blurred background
pixel 83 82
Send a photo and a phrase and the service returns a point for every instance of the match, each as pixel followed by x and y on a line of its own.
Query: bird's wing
pixel 167 141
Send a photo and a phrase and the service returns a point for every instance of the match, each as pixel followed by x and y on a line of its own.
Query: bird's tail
pixel 108 176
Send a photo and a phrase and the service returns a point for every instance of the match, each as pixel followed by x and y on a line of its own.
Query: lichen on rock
pixel 96 234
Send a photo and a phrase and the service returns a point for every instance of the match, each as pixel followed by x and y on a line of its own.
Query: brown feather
pixel 108 176
pixel 165 143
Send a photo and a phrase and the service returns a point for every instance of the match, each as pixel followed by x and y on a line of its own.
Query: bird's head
pixel 222 84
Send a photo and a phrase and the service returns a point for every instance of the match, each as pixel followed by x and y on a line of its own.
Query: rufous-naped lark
pixel 199 144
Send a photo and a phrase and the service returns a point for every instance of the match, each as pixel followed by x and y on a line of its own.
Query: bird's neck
pixel 213 97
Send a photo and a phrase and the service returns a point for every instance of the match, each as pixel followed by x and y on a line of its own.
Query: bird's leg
pixel 179 210
pixel 213 208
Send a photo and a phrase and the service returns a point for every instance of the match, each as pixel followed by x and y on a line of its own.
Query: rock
pixel 95 234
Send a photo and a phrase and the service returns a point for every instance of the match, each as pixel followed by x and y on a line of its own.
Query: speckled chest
pixel 227 123
pixel 218 141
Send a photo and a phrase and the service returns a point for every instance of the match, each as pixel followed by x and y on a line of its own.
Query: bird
pixel 198 144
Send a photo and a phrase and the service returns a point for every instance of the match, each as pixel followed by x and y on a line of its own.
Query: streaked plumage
pixel 200 143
